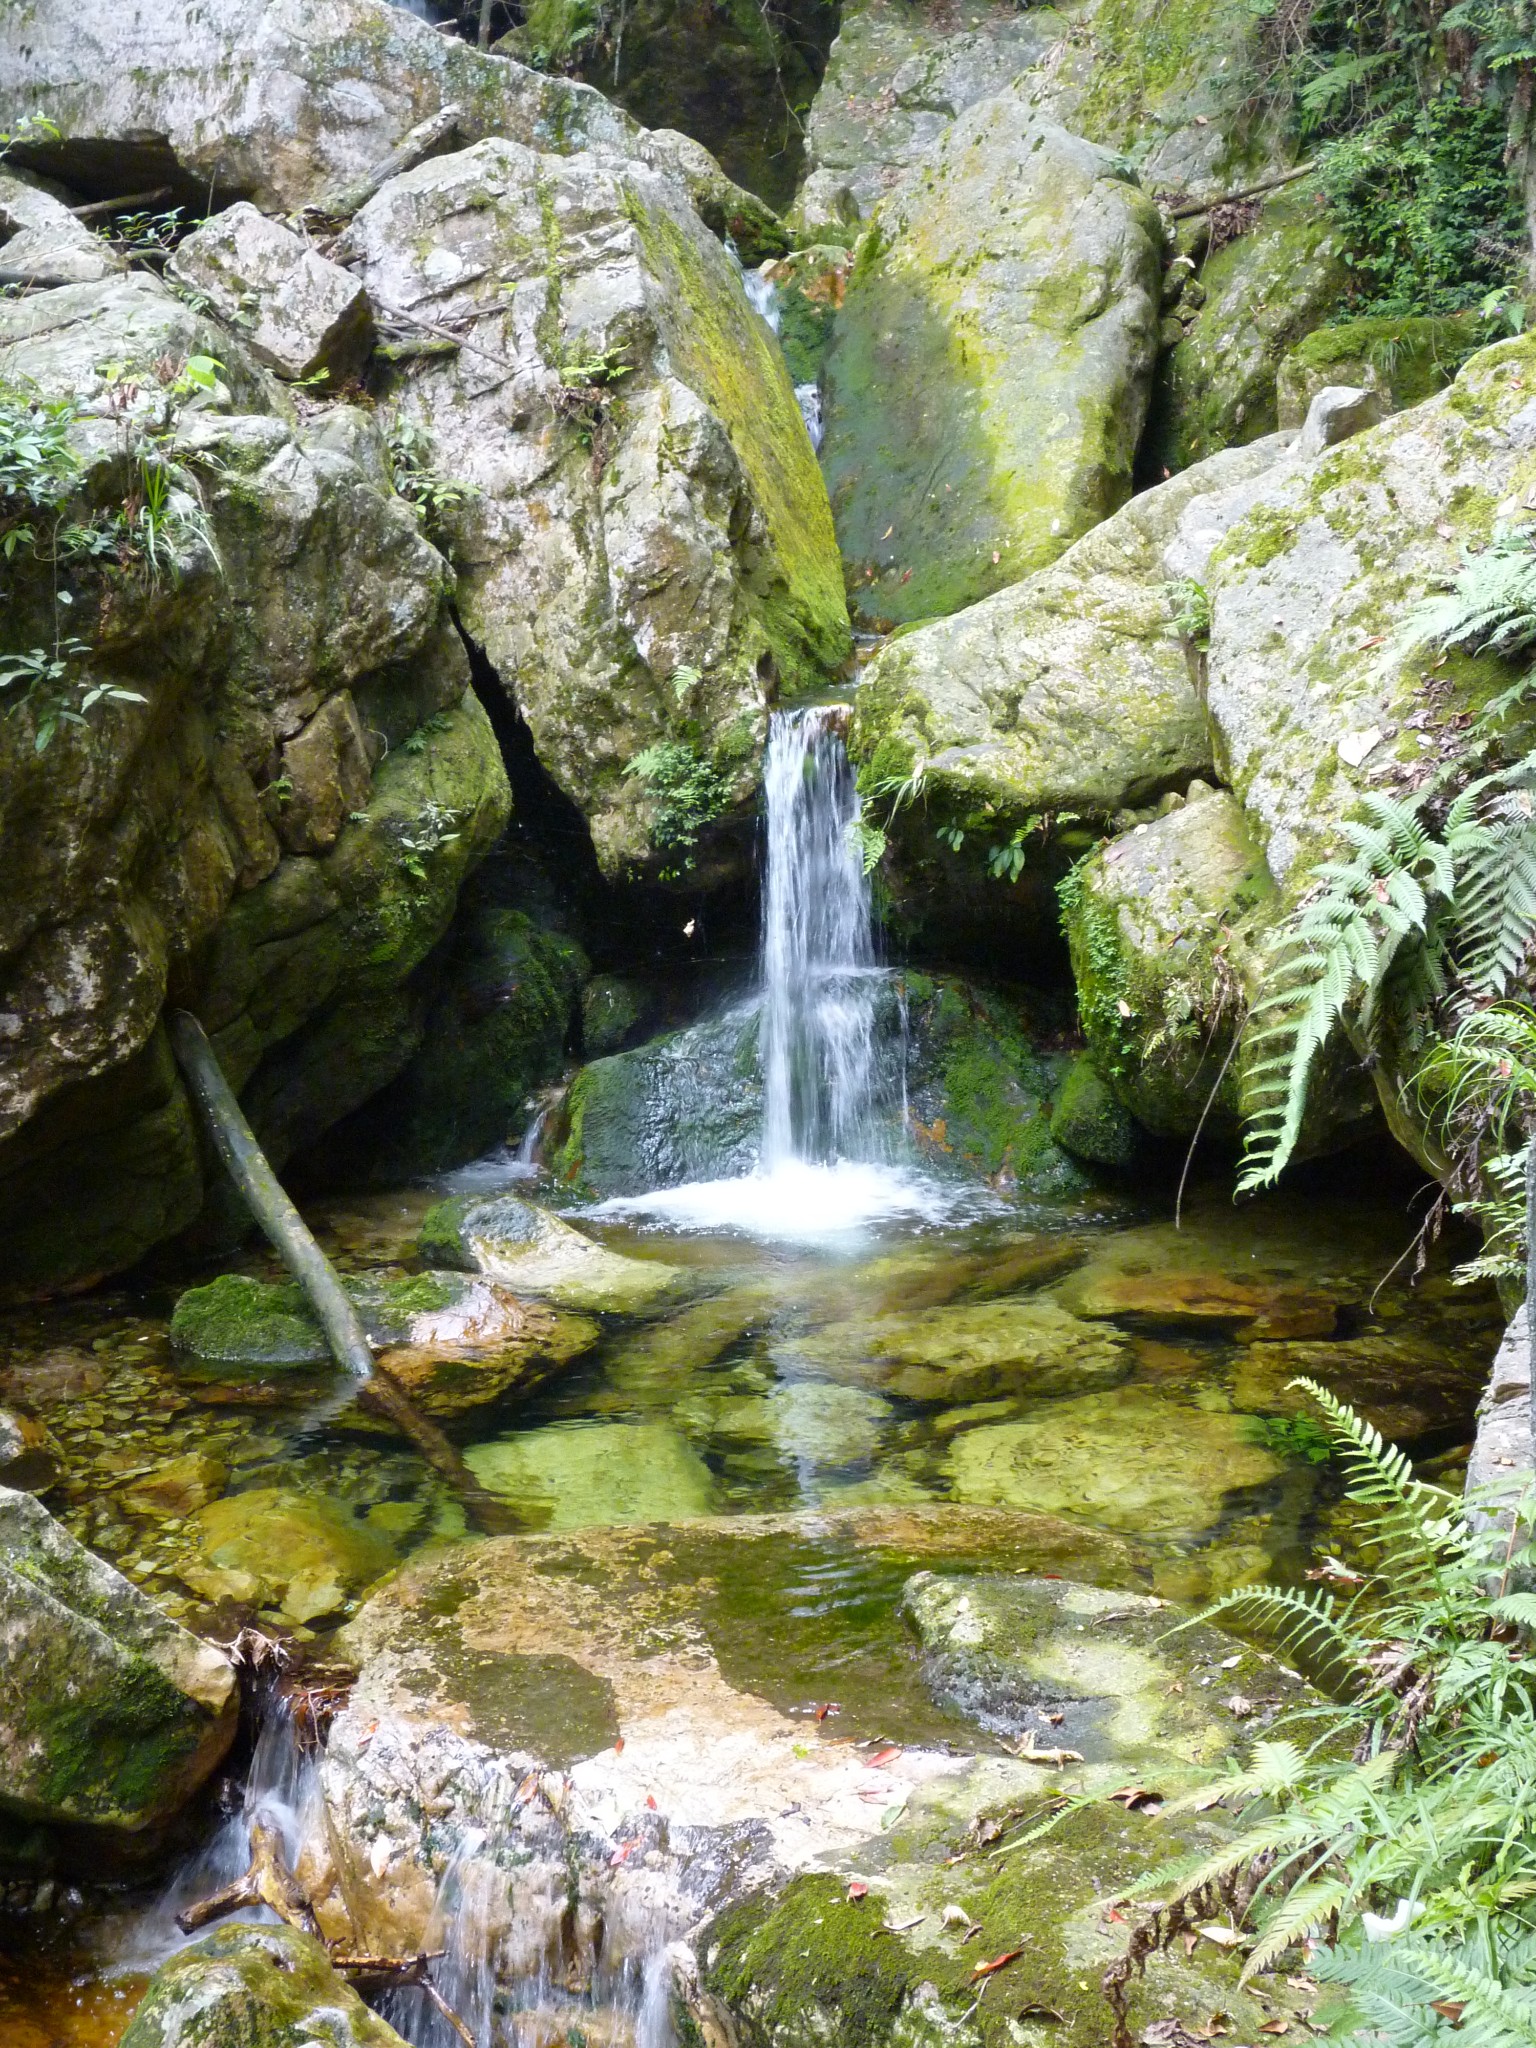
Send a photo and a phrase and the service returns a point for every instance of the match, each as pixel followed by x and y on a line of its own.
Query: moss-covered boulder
pixel 520 1245
pixel 1406 360
pixel 238 1327
pixel 111 1715
pixel 185 98
pixel 254 1987
pixel 731 77
pixel 971 1351
pixel 809 286
pixel 989 372
pixel 1253 301
pixel 1090 1121
pixel 647 554
pixel 614 1008
pixel 497 1028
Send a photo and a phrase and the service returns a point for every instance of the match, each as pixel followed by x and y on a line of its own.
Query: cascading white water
pixel 763 298
pixel 818 959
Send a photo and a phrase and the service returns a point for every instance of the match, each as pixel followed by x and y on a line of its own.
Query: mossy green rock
pixel 1162 923
pixel 1261 294
pixel 111 1715
pixel 812 1424
pixel 1090 1121
pixel 574 1474
pixel 989 371
pixel 1114 1459
pixel 522 1246
pixel 613 1010
pixel 254 1987
pixel 810 285
pixel 1009 1650
pixel 300 1554
pixel 672 518
pixel 972 1351
pixel 1406 360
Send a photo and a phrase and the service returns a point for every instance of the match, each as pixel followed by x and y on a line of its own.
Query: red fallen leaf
pixel 906 575
pixel 857 1890
pixel 1380 640
pixel 1449 2009
pixel 650 1800
pixel 1133 1796
pixel 827 1707
pixel 888 1755
pixel 1055 1719
pixel 618 1747
pixel 367 1736
pixel 997 1963
pixel 526 1789
pixel 622 1854
pixel 1114 1914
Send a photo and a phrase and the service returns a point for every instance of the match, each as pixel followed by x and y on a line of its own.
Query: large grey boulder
pixel 254 1987
pixel 989 371
pixel 110 1714
pixel 292 103
pixel 290 626
pixel 301 315
pixel 646 555
pixel 41 241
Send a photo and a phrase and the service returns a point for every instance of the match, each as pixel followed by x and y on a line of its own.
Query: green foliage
pixel 1292 1436
pixel 1408 1796
pixel 868 842
pixel 1191 610
pixel 410 454
pixel 44 682
pixel 687 791
pixel 434 827
pixel 1491 605
pixel 38 466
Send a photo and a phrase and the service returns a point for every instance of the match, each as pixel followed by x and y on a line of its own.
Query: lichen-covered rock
pixel 647 552
pixel 499 1026
pixel 254 1987
pixel 291 103
pixel 1405 360
pixel 1090 1121
pixel 897 75
pixel 989 371
pixel 1257 298
pixel 731 76
pixel 292 614
pixel 1162 923
pixel 43 241
pixel 301 315
pixel 520 1245
pixel 111 1715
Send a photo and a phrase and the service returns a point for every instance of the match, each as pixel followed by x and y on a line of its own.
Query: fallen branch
pixel 403 1972
pixel 131 202
pixel 1194 209
pixel 268 1882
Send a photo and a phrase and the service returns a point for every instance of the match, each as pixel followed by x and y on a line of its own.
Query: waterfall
pixel 763 298
pixel 818 956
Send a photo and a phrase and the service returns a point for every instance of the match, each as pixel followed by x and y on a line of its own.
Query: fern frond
pixel 1303 1911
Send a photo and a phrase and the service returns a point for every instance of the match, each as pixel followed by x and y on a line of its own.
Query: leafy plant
pixel 1292 1436
pixel 868 842
pixel 1191 610
pixel 1005 861
pixel 411 456
pixel 686 790
pixel 1390 1826
pixel 585 395
pixel 44 677
pixel 435 827
pixel 1491 605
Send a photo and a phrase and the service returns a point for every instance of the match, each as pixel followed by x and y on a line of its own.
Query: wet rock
pixel 235 1321
pixel 58 1374
pixel 1403 360
pixel 1253 1310
pixel 42 243
pixel 613 1014
pixel 111 1716
pixel 809 288
pixel 296 1553
pixel 1014 1653
pixel 1416 1384
pixel 327 766
pixel 969 1352
pixel 29 1457
pixel 646 505
pixel 302 315
pixel 177 1488
pixel 815 1424
pixel 572 1475
pixel 1131 1460
pixel 966 445
pixel 1091 1122
pixel 254 1987
pixel 185 98
pixel 522 1246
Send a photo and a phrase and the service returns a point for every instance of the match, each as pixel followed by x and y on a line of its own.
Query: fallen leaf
pixel 1377 640
pixel 1133 1796
pixel 618 1747
pixel 857 1890
pixel 1122 1006
pixel 1224 1937
pixel 1449 2009
pixel 1042 2012
pixel 1055 1719
pixel 1240 1706
pixel 526 1789
pixel 955 1916
pixel 997 1963
pixel 1218 2024
pixel 1031 1753
pixel 827 1707
pixel 367 1736
pixel 906 575
pixel 1230 1663
pixel 888 532
pixel 901 1926
pixel 1275 2027
pixel 888 1755
pixel 1191 1941
pixel 1114 1915
pixel 622 1854
pixel 650 1800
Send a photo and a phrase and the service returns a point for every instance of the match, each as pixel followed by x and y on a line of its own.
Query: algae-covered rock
pixel 1255 1307
pixel 989 371
pixel 185 95
pixel 1259 296
pixel 29 1457
pixel 809 288
pixel 1013 1653
pixel 1162 924
pixel 254 1987
pixel 301 1554
pixel 613 1013
pixel 1128 1459
pixel 812 1424
pixel 1090 1121
pixel 496 1030
pixel 646 551
pixel 896 77
pixel 573 1474
pixel 111 1715
pixel 520 1245
pixel 1020 1344
pixel 1406 359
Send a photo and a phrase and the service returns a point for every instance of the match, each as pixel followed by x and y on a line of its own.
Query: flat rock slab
pixel 526 1247
pixel 971 1351
pixel 1250 1309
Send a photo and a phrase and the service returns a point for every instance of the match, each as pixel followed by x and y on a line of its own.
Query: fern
pixel 1491 605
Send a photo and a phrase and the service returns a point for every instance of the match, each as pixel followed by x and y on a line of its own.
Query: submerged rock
pixel 522 1246
pixel 815 1424
pixel 990 367
pixel 576 1475
pixel 1116 1459
pixel 646 549
pixel 29 1457
pixel 273 1547
pixel 111 1715
pixel 1021 1344
pixel 1253 1309
pixel 254 1987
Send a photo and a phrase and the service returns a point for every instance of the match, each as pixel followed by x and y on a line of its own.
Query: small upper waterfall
pixel 763 297
pixel 820 989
